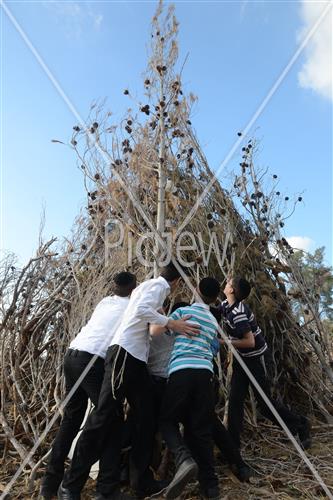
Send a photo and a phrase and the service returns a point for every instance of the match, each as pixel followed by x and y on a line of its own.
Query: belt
pixel 82 354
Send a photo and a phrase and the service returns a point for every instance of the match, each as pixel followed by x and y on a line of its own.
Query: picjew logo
pixel 118 237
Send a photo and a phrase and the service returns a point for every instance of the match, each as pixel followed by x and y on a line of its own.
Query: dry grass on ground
pixel 280 472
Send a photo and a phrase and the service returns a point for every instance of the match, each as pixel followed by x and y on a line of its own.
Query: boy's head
pixel 237 287
pixel 124 283
pixel 208 289
pixel 171 274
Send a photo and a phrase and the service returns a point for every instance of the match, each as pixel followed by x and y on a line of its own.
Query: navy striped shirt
pixel 238 319
pixel 196 351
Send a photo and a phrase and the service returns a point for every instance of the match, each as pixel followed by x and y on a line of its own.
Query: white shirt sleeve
pixel 151 300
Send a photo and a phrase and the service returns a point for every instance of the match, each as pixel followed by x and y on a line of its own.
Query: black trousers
pixel 238 392
pixel 104 426
pixel 74 364
pixel 159 385
pixel 189 398
pixel 221 436
pixel 223 440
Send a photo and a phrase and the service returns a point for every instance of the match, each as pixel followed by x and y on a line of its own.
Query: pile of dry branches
pixel 145 173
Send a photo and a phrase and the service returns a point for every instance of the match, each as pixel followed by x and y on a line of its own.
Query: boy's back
pixel 189 397
pixel 196 351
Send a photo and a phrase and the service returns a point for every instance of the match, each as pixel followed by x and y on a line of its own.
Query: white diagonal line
pixel 256 115
pixel 47 428
pixel 72 108
pixel 125 187
pixel 146 218
pixel 50 424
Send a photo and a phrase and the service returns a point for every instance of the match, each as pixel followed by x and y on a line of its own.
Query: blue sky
pixel 237 50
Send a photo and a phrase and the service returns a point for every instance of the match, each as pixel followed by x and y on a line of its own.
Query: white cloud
pixel 75 18
pixel 316 72
pixel 296 242
pixel 98 18
pixel 300 242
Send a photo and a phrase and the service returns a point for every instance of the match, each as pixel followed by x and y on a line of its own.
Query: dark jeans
pixel 238 392
pixel 104 426
pixel 74 364
pixel 189 398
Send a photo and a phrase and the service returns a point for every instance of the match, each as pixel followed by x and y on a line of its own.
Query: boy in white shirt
pixel 92 341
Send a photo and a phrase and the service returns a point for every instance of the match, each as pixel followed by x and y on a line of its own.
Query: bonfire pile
pixel 143 174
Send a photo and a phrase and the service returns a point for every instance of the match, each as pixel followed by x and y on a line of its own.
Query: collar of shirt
pixel 232 306
pixel 164 282
pixel 121 299
pixel 201 304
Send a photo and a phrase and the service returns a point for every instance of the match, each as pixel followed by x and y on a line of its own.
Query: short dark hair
pixel 170 272
pixel 177 305
pixel 209 289
pixel 241 286
pixel 123 283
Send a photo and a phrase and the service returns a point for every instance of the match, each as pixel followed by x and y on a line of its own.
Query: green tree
pixel 318 280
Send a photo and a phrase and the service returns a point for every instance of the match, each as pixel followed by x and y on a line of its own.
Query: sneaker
pixel 243 472
pixel 186 472
pixel 304 433
pixel 65 494
pixel 211 493
pixel 154 488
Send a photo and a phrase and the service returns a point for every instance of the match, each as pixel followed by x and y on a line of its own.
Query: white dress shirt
pixel 96 336
pixel 145 300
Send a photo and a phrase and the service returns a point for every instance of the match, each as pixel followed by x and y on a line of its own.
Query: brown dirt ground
pixel 280 472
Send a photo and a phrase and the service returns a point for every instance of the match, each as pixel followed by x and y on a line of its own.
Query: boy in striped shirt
pixel 189 396
pixel 240 324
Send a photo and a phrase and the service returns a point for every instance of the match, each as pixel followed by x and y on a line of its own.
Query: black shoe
pixel 304 433
pixel 65 494
pixel 186 472
pixel 211 493
pixel 47 494
pixel 243 472
pixel 154 488
pixel 117 495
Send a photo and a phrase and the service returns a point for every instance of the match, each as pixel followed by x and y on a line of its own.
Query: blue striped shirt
pixel 196 351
